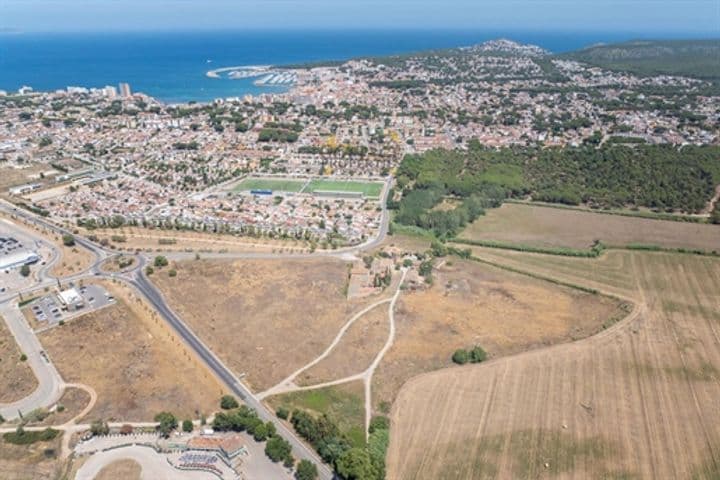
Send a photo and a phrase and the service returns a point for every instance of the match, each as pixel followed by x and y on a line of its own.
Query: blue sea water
pixel 171 66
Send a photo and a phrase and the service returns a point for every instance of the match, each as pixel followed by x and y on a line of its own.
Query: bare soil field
pixel 355 351
pixel 555 227
pixel 342 403
pixel 265 318
pixel 121 469
pixel 10 177
pixel 638 400
pixel 31 462
pixel 17 379
pixel 135 364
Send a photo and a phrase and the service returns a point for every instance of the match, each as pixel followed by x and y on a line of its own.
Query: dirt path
pixel 287 385
pixel 67 427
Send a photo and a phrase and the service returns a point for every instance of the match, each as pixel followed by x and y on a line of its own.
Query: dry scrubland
pixel 150 240
pixel 30 462
pixel 265 318
pixel 133 362
pixel 639 400
pixel 355 351
pixel 16 378
pixel 555 227
pixel 470 303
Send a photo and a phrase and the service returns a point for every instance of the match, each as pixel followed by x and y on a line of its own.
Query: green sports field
pixel 274 184
pixel 369 189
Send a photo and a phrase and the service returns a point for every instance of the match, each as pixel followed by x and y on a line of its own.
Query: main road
pixel 139 281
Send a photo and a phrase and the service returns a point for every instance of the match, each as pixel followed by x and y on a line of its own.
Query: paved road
pixel 51 384
pixel 141 283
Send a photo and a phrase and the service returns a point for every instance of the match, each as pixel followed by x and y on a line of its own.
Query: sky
pixel 694 17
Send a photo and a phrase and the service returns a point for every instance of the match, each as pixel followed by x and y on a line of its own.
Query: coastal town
pixel 111 157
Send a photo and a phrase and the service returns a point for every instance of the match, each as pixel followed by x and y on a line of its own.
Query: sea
pixel 172 66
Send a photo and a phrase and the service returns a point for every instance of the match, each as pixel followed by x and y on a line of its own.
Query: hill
pixel 694 58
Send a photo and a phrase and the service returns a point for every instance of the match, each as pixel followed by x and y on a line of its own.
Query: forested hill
pixel 693 58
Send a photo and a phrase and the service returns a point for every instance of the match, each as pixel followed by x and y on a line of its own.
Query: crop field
pixel 266 317
pixel 556 227
pixel 342 403
pixel 369 189
pixel 134 363
pixel 274 184
pixel 470 303
pixel 638 400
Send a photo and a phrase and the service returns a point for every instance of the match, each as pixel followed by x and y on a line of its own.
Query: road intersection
pixel 51 383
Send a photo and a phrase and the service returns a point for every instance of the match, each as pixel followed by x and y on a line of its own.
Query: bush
pixel 99 427
pixel 379 422
pixel 187 426
pixel 306 470
pixel 277 449
pixel 228 402
pixel 282 412
pixel 68 240
pixel 460 356
pixel 477 354
pixel 21 437
pixel 25 270
pixel 172 273
pixel 160 261
pixel 149 270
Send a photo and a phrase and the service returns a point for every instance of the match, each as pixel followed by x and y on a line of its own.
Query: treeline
pixel 350 462
pixel 663 178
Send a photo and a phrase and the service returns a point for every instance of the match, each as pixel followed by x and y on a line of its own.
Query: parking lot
pixel 50 309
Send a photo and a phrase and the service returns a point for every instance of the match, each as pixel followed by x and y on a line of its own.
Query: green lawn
pixel 369 189
pixel 274 184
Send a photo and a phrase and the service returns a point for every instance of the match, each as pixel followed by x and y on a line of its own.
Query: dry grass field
pixel 134 363
pixel 31 462
pixel 73 400
pixel 121 469
pixel 639 400
pixel 355 351
pixel 555 227
pixel 470 303
pixel 265 318
pixel 173 241
pixel 16 378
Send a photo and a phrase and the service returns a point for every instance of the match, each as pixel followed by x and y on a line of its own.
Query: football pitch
pixel 274 184
pixel 369 189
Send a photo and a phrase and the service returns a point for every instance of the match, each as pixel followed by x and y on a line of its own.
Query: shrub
pixel 25 270
pixel 187 426
pixel 160 261
pixel 21 437
pixel 228 402
pixel 23 357
pixel 99 427
pixel 68 240
pixel 306 470
pixel 460 356
pixel 477 354
pixel 379 422
pixel 282 412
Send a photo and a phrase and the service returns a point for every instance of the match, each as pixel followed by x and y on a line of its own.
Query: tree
pixel 25 270
pixel 228 402
pixel 260 432
pixel 99 427
pixel 187 426
pixel 460 356
pixel 477 354
pixel 166 423
pixel 306 470
pixel 68 240
pixel 715 215
pixel 379 422
pixel 282 412
pixel 355 464
pixel 277 449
